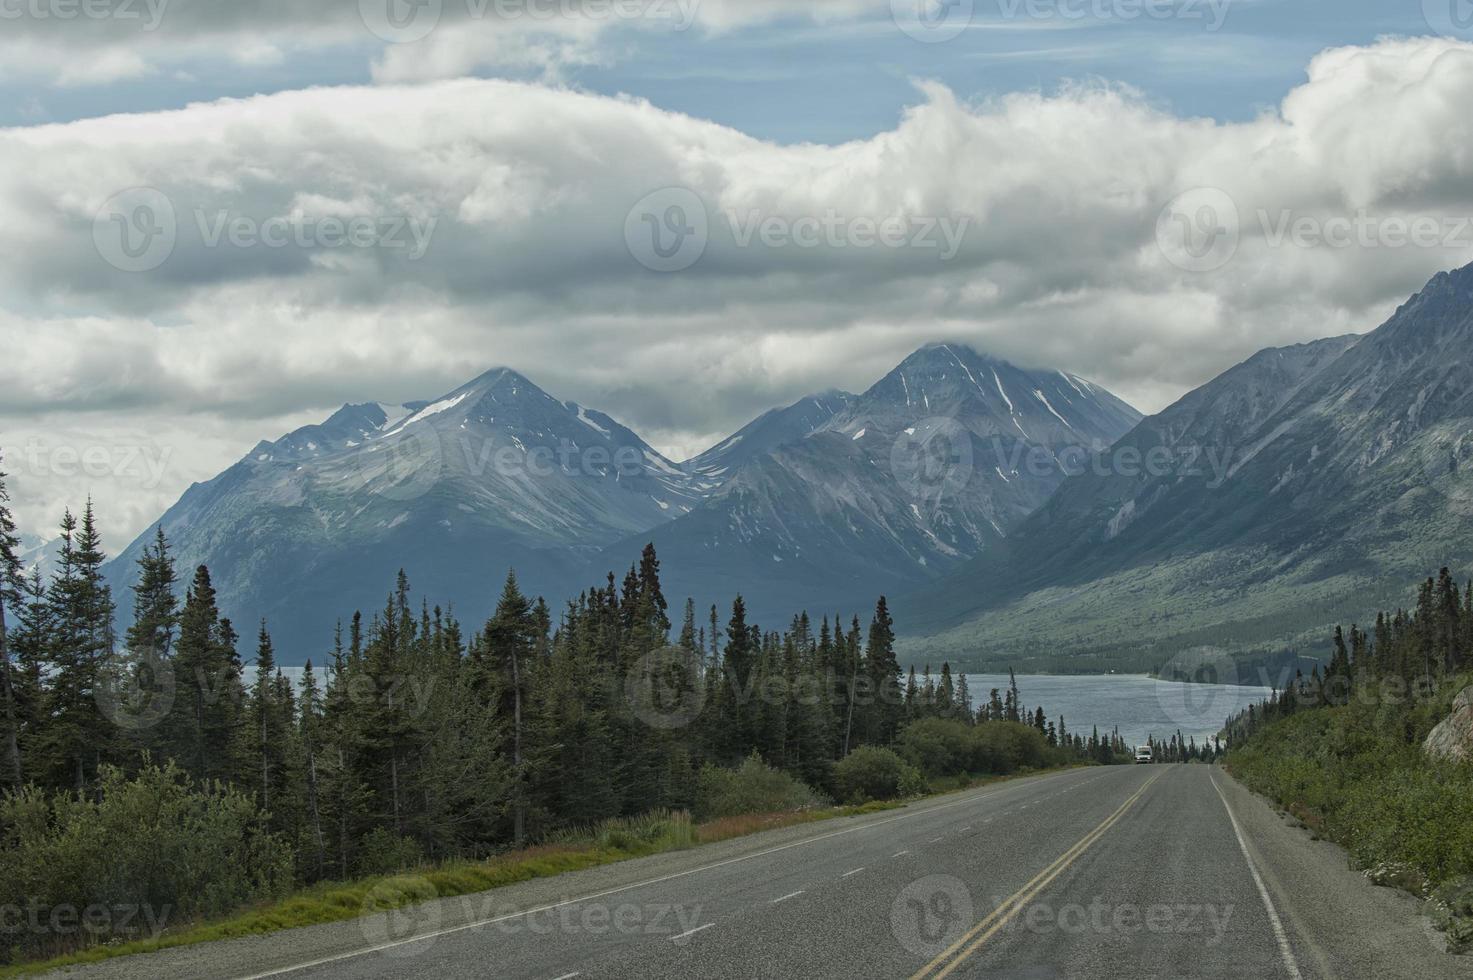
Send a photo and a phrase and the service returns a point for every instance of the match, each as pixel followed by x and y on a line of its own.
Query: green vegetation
pixel 754 787
pixel 166 776
pixel 874 773
pixel 1234 600
pixel 1343 751
pixel 609 842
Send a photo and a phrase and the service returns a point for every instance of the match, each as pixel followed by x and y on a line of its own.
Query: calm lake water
pixel 1138 706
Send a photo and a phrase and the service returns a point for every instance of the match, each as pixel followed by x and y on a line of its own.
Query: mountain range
pixel 824 504
pixel 1011 514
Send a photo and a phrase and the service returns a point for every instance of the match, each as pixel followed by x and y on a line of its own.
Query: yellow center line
pixel 1004 913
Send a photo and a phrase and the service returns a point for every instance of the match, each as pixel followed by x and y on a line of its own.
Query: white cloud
pixel 528 187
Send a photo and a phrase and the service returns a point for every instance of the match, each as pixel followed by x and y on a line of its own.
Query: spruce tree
pixel 155 606
pixel 507 654
pixel 78 737
pixel 883 671
pixel 965 709
pixel 266 735
pixel 31 642
pixel 208 693
pixel 946 694
pixel 308 724
pixel 12 587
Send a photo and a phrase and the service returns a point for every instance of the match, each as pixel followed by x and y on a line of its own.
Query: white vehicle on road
pixel 1143 754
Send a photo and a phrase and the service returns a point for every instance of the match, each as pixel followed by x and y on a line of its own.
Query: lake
pixel 1137 705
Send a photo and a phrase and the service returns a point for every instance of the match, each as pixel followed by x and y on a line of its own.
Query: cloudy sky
pixel 222 219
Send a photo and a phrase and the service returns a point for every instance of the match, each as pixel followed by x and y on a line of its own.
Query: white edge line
pixel 569 976
pixel 1268 903
pixel 481 923
pixel 692 932
pixel 786 897
pixel 900 854
pixel 851 873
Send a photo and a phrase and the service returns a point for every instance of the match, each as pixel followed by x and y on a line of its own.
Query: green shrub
pixel 871 773
pixel 149 852
pixel 942 748
pixel 1358 776
pixel 753 787
pixel 657 830
pixel 383 852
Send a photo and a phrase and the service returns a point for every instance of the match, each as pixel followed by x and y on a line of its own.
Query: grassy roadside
pixel 608 843
pixel 1356 775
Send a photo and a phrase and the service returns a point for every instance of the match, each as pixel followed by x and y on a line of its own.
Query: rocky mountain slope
pixel 928 468
pixel 821 505
pixel 496 473
pixel 1302 487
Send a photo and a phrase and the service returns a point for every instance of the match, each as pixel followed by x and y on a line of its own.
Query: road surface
pixel 1127 872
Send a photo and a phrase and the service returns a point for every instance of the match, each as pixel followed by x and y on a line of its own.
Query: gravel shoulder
pixel 1340 924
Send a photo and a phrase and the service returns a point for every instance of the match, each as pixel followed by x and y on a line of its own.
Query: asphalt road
pixel 1151 871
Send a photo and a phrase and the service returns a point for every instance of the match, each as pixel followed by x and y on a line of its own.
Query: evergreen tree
pixel 12 587
pixel 208 694
pixel 883 670
pixel 266 735
pixel 155 606
pixel 77 737
pixel 309 723
pixel 508 653
pixel 965 709
pixel 31 643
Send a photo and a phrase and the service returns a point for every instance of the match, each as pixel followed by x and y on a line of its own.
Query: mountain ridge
pixel 1348 473
pixel 497 472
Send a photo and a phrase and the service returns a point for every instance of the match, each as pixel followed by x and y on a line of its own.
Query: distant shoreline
pixel 1143 675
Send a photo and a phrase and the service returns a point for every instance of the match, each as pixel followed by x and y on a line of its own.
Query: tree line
pixel 1405 656
pixel 413 738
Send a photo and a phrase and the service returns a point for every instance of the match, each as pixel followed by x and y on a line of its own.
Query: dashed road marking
pixel 692 932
